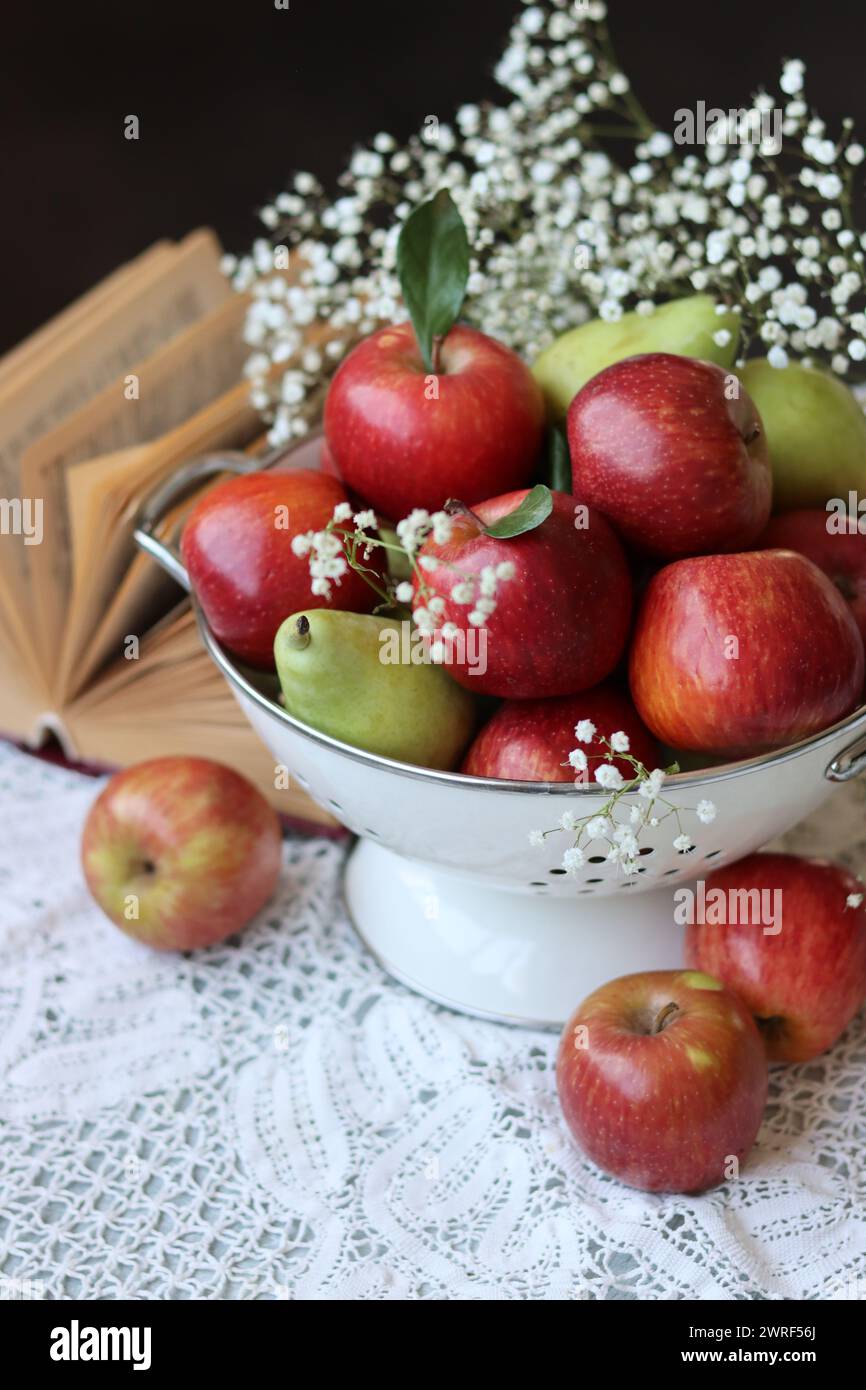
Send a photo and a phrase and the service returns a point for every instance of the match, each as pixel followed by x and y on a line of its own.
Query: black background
pixel 232 97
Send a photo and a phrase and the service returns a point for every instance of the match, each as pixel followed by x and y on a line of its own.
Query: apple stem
pixel 664 1017
pixel 454 507
pixel 436 353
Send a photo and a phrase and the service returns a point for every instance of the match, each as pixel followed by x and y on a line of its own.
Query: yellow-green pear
pixel 816 433
pixel 365 681
pixel 687 327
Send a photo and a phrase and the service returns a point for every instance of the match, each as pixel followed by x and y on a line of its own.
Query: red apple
pixel 530 740
pixel 237 547
pixel 180 852
pixel 404 438
pixel 560 624
pixel 662 1079
pixel 738 654
pixel 778 931
pixel 841 554
pixel 658 445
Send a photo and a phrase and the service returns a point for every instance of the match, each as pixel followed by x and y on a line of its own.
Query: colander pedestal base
pixel 519 958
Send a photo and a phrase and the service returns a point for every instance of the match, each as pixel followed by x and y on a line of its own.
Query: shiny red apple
pixel 738 654
pixel 837 548
pixel 662 1079
pixel 406 438
pixel 530 740
pixel 237 548
pixel 181 852
pixel 559 625
pixel 788 935
pixel 672 451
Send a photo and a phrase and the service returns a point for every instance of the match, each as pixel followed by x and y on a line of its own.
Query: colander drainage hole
pixel 336 805
pixel 538 885
pixel 647 849
pixel 667 872
pixel 301 780
pixel 557 871
pixel 595 880
pixel 597 859
pixel 714 854
pixel 374 834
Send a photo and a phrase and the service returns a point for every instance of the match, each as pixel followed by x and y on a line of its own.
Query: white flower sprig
pixel 559 229
pixel 622 837
pixel 346 543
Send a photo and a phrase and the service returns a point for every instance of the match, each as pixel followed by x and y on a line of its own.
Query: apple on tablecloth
pixel 181 852
pixel 662 1079
pixel 805 978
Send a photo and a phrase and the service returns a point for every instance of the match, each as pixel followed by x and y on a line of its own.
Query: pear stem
pixel 300 638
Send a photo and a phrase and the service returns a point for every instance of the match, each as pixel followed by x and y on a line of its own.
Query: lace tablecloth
pixel 276 1119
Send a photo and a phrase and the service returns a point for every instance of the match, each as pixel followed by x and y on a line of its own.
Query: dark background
pixel 232 97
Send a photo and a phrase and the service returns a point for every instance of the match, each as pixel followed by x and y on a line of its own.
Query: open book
pixel 97 646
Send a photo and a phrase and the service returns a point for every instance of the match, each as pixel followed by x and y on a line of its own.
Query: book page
pixel 171 385
pixel 150 307
pixel 121 595
pixel 172 700
pixel 125 328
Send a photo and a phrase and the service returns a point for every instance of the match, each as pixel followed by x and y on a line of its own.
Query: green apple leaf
pixel 558 461
pixel 535 508
pixel 433 266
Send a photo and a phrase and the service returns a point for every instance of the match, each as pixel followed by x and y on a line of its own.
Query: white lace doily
pixel 276 1119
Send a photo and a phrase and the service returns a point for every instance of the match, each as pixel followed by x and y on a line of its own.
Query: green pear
pixel 816 433
pixel 351 675
pixel 684 326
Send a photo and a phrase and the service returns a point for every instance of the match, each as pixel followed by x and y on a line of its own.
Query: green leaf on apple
pixel 433 266
pixel 558 461
pixel 535 508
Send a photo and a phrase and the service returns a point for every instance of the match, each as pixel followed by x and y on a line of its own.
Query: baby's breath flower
pixel 559 230
pixel 463 591
pixel 651 787
pixel 609 777
pixel 424 619
pixel 598 827
pixel 572 859
pixel 619 742
pixel 584 731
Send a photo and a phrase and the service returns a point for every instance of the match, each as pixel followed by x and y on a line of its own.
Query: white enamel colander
pixel 443 885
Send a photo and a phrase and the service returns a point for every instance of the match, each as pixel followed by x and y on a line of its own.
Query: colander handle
pixel 158 502
pixel 849 763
